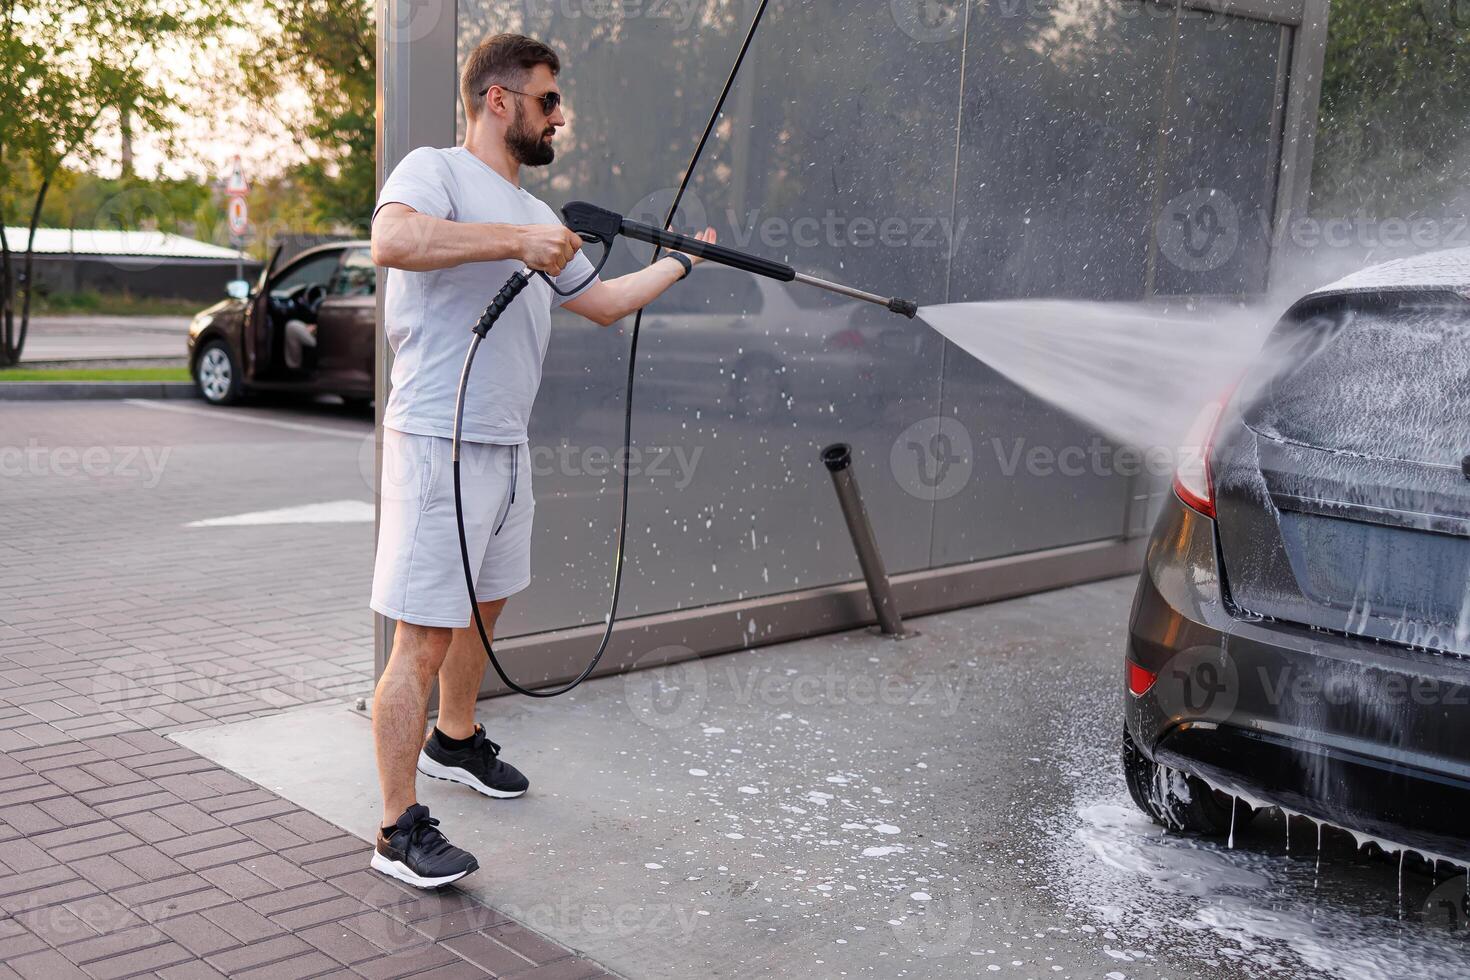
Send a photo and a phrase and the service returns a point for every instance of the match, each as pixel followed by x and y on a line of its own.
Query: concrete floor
pixel 846 806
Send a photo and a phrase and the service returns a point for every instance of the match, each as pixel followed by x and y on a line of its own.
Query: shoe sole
pixel 399 870
pixel 437 770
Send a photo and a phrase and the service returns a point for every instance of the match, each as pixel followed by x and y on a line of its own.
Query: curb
pixel 42 391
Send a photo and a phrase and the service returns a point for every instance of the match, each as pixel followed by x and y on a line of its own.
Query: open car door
pixel 257 337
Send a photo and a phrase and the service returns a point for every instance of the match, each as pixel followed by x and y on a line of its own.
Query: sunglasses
pixel 549 101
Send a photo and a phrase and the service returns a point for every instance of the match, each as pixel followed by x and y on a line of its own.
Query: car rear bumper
pixel 1371 737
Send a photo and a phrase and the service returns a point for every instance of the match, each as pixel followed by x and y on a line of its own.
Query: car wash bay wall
pixel 1082 149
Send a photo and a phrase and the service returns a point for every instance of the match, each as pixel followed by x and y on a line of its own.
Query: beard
pixel 526 142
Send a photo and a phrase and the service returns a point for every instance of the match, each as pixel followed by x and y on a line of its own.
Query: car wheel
pixel 758 390
pixel 217 374
pixel 1177 800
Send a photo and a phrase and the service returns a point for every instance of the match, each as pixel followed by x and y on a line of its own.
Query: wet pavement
pixel 847 806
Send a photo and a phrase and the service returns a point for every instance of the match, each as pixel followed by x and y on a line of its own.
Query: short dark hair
pixel 504 59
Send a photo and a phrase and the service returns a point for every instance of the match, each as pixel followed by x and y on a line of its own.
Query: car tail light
pixel 1193 482
pixel 1139 680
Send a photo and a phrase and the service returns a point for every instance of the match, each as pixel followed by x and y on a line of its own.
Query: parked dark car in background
pixel 237 346
pixel 1301 631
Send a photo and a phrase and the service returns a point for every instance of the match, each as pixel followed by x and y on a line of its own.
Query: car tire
pixel 217 374
pixel 1177 800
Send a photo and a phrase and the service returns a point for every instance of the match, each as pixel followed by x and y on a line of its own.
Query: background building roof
pixel 84 241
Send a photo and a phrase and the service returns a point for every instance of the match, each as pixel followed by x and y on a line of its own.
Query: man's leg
pixel 400 711
pixel 461 673
pixel 456 751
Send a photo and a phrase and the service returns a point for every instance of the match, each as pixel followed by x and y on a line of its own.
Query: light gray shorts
pixel 419 576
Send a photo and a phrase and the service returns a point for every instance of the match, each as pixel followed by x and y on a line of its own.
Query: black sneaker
pixel 417 853
pixel 477 766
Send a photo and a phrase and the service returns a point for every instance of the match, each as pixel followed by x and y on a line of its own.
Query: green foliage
pixel 328 48
pixel 82 200
pixel 1394 136
pixel 115 304
pixel 70 69
pixel 96 374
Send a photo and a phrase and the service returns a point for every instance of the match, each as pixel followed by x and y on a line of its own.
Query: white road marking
pixel 226 415
pixel 331 512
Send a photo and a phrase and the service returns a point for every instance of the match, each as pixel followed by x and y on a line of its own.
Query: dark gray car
pixel 1301 631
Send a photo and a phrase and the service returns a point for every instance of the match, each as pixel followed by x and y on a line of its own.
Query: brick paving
pixel 123 854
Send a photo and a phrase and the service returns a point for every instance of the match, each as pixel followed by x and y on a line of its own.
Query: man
pixel 451 225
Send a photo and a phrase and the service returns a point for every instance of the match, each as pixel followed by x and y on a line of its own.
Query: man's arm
pixel 405 239
pixel 607 302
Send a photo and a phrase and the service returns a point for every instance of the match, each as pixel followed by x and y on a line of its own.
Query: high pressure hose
pixel 512 288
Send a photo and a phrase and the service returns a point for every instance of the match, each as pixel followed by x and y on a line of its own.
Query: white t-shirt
pixel 429 315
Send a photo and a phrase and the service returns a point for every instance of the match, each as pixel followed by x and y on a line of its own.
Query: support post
pixel 838 460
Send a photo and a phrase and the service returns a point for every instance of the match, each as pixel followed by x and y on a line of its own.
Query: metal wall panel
pixel 1033 136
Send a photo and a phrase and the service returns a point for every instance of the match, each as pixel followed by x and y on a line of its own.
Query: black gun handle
pixel 512 288
pixel 589 220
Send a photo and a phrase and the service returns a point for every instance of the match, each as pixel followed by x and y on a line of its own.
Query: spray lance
pixel 600 226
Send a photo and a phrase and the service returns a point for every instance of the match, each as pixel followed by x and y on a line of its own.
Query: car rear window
pixel 1383 376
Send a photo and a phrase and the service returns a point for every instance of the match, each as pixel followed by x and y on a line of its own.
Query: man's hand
pixel 606 302
pixel 708 235
pixel 548 248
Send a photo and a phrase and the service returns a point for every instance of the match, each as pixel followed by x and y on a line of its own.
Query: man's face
pixel 531 131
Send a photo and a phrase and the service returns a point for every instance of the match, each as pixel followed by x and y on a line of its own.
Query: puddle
pixel 1258 909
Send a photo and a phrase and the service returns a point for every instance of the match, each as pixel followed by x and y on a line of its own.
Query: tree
pixel 1395 115
pixel 66 66
pixel 327 48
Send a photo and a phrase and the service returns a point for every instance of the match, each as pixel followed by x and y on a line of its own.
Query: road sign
pixel 239 217
pixel 235 184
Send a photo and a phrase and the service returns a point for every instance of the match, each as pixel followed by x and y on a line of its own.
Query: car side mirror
pixel 237 289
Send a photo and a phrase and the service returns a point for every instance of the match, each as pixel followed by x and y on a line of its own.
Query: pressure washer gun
pixel 600 226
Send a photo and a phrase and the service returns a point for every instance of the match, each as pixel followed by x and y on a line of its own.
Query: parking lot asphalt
pixel 90 339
